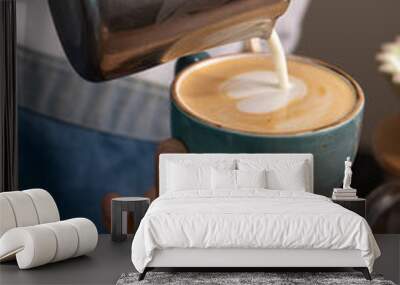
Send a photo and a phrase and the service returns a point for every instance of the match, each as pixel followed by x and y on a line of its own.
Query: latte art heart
pixel 259 92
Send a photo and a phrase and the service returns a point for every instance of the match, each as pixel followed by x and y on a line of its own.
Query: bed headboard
pixel 165 158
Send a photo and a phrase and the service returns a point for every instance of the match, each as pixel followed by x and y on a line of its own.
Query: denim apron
pixel 81 140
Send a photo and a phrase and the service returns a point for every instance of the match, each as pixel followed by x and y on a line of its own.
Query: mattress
pixel 251 219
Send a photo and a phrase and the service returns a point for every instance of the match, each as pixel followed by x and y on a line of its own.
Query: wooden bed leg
pixel 364 271
pixel 143 274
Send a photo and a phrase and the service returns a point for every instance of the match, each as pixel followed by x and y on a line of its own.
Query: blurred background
pixel 88 142
pixel 350 35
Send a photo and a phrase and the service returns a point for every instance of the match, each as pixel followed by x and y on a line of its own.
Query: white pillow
pixel 203 162
pixel 251 178
pixel 282 174
pixel 290 179
pixel 223 179
pixel 188 177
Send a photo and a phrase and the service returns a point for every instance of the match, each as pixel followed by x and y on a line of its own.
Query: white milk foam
pixel 259 92
pixel 265 91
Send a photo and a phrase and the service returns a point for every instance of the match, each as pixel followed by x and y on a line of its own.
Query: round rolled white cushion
pixel 67 240
pixel 87 233
pixel 23 208
pixel 7 218
pixel 33 246
pixel 26 208
pixel 45 205
pixel 45 243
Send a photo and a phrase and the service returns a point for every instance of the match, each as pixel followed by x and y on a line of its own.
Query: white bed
pixel 248 227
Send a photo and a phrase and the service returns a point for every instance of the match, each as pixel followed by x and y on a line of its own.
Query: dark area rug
pixel 229 278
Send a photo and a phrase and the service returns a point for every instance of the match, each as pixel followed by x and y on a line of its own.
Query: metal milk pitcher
pixel 107 39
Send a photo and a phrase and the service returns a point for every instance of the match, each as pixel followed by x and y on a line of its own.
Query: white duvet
pixel 250 219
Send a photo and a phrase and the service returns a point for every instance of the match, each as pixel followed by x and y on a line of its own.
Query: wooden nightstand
pixel 356 205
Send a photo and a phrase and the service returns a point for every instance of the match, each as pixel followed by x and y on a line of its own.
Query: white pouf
pixel 37 245
pixel 31 231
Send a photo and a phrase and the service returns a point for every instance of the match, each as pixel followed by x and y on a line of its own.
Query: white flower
pixel 389 57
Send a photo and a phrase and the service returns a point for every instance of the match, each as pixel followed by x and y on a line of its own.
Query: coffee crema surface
pixel 242 93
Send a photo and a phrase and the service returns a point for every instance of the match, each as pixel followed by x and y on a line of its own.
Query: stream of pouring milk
pixel 265 91
pixel 278 55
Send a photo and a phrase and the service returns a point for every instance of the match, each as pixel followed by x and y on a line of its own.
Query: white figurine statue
pixel 347 174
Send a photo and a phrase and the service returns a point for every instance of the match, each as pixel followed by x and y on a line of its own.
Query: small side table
pixel 120 207
pixel 357 205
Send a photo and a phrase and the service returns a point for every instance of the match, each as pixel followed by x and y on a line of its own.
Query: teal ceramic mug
pixel 329 145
